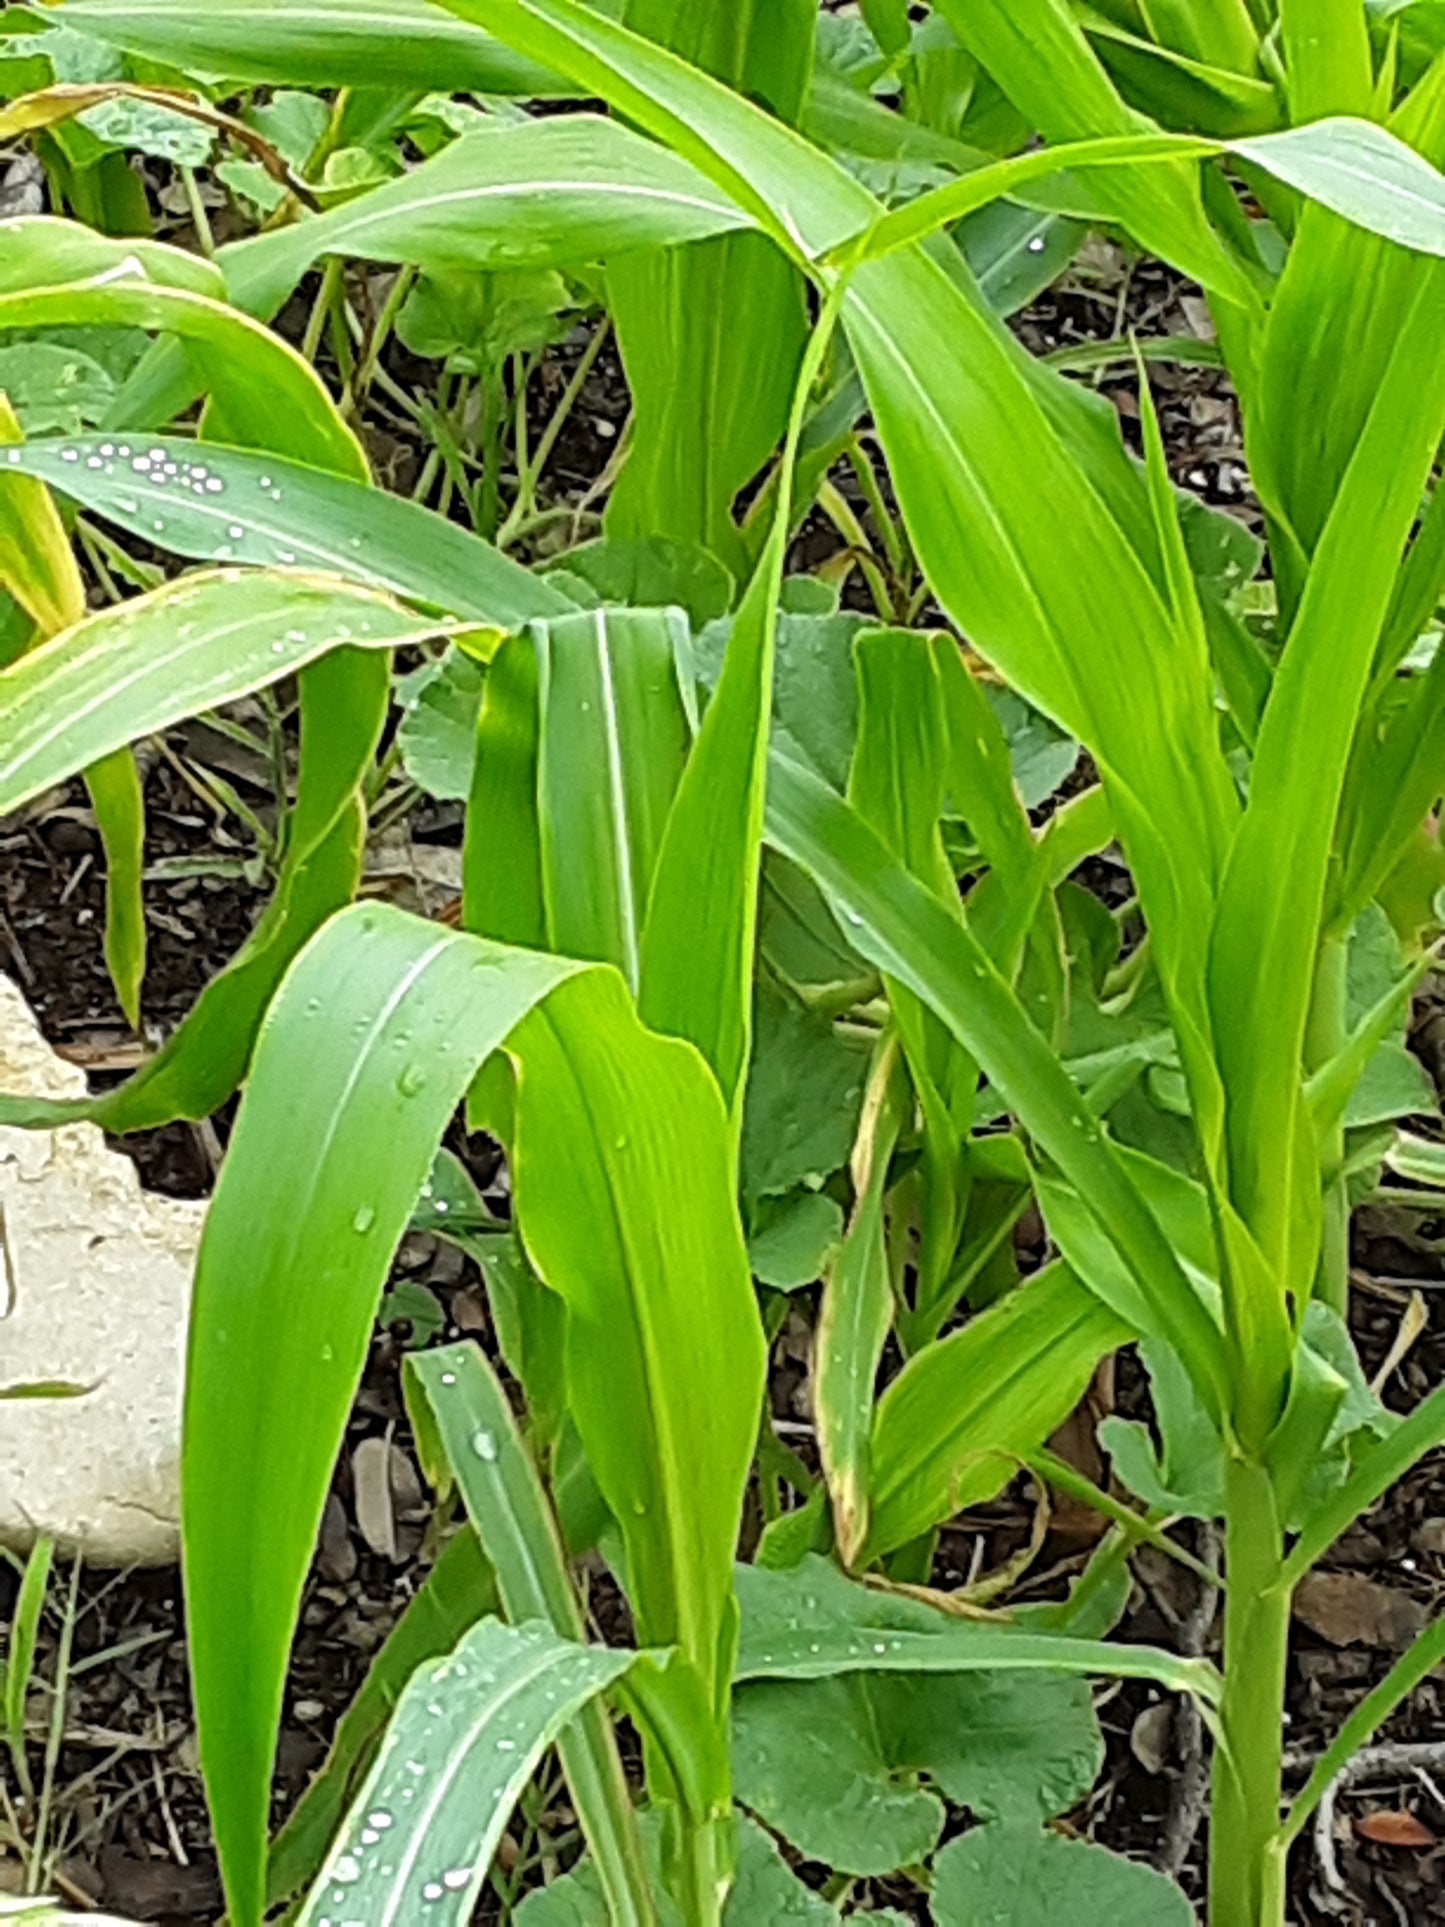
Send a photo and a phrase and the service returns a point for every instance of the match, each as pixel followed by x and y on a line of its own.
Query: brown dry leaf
pixel 1348 1609
pixel 469 1310
pixel 1151 1738
pixel 371 1478
pixel 1397 1829
pixel 336 1554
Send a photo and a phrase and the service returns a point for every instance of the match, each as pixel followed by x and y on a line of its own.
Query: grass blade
pixel 455 1594
pixel 493 1469
pixel 148 663
pixel 891 919
pixel 20 1660
pixel 477 1743
pixel 542 193
pixel 230 505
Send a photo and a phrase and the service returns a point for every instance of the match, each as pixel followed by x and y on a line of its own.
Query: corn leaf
pixel 458 1591
pixel 312 43
pixel 908 934
pixel 467 1735
pixel 218 504
pixel 568 189
pixel 613 1129
pixel 952 1426
pixel 455 1398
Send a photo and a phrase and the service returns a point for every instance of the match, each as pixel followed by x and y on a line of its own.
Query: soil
pixel 128 1822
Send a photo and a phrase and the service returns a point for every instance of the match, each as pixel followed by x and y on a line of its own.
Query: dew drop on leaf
pixel 484 1444
pixel 363 1221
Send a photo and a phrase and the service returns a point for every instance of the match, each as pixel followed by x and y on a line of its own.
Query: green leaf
pixel 792 1241
pixel 810 1623
pixel 697 955
pixel 833 1764
pixel 654 572
pixel 612 752
pixel 1038 54
pixel 229 505
pixel 343 709
pixel 458 1591
pixel 1273 893
pixel 1187 1474
pixel 565 189
pixel 659 1299
pixel 466 1737
pixel 857 1310
pixel 484 1452
pixel 441 702
pixel 952 1426
pixel 1328 65
pixel 319 1183
pixel 114 787
pixel 148 663
pixel 326 43
pixel 54 390
pixel 764 1889
pixel 20 1659
pixel 263 392
pixel 909 934
pixel 804 1090
pixel 1016 1874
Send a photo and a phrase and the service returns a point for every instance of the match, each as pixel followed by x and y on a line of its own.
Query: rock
pixel 95 1281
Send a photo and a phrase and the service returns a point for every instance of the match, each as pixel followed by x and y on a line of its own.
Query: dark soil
pixel 129 1815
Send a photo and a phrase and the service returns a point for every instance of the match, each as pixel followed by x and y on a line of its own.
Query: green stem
pixel 1325 1037
pixel 1246 1858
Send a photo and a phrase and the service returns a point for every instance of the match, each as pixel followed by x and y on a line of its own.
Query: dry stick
pixel 1390 1756
pixel 1190 1795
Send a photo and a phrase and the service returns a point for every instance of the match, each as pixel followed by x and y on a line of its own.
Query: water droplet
pixel 432 1890
pixel 1036 244
pixel 94 461
pixel 484 1444
pixel 70 454
pixel 449 1378
pixel 365 1218
pixel 346 1869
pixel 381 1819
pixel 506 1746
pixel 369 1836
pixel 285 555
pixel 295 635
pixel 127 504
pixel 456 1879
pixel 235 531
pixel 158 525
pixel 412 1080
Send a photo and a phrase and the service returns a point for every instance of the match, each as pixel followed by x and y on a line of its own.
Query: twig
pixel 1190 1793
pixel 1416 1757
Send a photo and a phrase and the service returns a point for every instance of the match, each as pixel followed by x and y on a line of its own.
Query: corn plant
pixel 690 838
